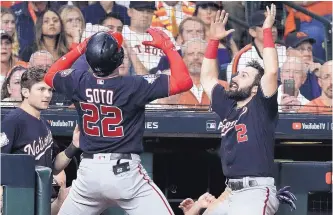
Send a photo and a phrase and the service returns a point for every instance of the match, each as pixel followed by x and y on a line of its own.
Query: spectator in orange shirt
pixel 193 53
pixel 169 14
pixel 322 104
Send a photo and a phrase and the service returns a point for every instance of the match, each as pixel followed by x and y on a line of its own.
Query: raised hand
pixel 270 16
pixel 160 40
pixel 217 26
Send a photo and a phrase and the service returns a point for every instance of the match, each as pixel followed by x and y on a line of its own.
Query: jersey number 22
pixel 93 115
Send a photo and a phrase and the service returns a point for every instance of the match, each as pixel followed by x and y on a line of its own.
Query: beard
pixel 194 70
pixel 239 94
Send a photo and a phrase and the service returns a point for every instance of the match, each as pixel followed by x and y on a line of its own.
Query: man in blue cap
pixel 299 44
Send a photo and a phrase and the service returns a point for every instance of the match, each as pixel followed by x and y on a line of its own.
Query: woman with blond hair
pixel 8 25
pixel 50 36
pixel 74 23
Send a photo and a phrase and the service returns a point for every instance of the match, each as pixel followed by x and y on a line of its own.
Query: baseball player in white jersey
pixel 141 13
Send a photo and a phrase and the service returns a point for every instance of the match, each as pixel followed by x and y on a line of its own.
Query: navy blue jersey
pixel 21 133
pixel 111 111
pixel 247 144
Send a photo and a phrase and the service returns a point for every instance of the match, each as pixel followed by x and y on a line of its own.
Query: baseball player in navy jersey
pixel 249 114
pixel 25 131
pixel 111 113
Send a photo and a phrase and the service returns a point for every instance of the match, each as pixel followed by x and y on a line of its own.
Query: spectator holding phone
pixel 293 75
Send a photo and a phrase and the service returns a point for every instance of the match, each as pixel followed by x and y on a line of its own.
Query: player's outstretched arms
pixel 180 80
pixel 66 61
pixel 269 82
pixel 63 158
pixel 209 68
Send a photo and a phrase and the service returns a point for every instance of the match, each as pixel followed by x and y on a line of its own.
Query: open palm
pixel 270 16
pixel 217 26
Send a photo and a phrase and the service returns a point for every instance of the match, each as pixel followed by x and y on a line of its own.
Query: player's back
pixel 112 110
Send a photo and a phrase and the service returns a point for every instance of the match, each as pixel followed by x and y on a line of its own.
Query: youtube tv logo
pixel 297 126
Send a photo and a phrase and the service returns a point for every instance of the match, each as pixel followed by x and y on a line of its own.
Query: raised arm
pixel 269 82
pixel 66 61
pixel 180 80
pixel 209 68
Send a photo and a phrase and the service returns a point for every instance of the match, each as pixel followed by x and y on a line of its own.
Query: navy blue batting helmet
pixel 104 54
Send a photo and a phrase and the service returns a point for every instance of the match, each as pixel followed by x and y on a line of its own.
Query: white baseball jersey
pixel 149 56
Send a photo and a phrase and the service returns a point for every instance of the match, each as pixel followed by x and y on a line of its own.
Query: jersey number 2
pixel 241 133
pixel 93 115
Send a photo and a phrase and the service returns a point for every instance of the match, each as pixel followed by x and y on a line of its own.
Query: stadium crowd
pixel 38 33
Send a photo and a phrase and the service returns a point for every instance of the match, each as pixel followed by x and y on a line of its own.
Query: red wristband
pixel 211 50
pixel 268 38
